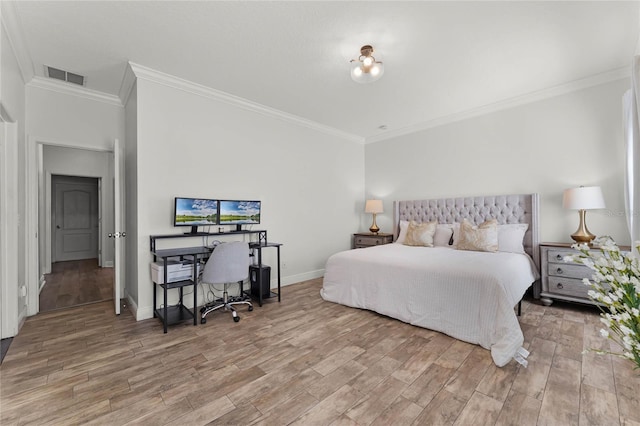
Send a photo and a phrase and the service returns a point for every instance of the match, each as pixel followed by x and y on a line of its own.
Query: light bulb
pixel 357 71
pixel 375 70
pixel 367 61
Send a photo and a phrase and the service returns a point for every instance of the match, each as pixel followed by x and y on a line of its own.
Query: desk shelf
pixel 175 314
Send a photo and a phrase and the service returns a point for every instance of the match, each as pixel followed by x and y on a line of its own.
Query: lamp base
pixel 374 228
pixel 582 234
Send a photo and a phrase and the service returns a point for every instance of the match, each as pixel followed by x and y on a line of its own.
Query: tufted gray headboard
pixel 522 208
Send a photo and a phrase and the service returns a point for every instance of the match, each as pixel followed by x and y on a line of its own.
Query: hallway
pixel 74 283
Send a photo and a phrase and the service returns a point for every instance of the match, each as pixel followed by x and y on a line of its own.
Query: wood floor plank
pixel 519 409
pixel 308 361
pixel 598 407
pixel 480 410
pixel 561 401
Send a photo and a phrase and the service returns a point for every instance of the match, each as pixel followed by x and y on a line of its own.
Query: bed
pixel 469 295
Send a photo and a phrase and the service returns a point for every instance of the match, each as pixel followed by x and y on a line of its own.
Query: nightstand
pixel 563 280
pixel 367 239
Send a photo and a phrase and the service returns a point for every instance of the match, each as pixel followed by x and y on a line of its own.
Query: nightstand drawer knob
pixel 559 286
pixel 559 271
pixel 558 257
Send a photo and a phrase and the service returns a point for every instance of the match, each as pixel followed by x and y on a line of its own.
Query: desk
pixel 179 313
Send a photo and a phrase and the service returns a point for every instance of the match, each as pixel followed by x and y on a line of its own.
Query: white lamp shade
pixel 373 206
pixel 583 198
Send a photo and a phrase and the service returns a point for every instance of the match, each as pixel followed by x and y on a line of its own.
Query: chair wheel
pixel 236 319
pixel 203 321
pixel 202 310
pixel 250 308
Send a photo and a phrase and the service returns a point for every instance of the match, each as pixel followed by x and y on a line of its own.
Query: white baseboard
pixel 108 264
pixel 294 279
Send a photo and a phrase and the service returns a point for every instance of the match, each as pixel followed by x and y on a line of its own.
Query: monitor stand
pixel 238 228
pixel 194 231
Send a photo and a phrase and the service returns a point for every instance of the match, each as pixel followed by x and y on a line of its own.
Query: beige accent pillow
pixel 420 234
pixel 483 237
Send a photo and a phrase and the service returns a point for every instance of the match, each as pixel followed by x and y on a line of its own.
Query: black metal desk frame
pixel 179 313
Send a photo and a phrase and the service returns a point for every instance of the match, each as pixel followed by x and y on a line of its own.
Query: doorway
pixel 76 276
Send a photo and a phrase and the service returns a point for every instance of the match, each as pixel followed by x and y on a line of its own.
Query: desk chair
pixel 228 263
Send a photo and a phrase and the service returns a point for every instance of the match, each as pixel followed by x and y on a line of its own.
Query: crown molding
pixel 11 25
pixel 596 80
pixel 158 77
pixel 72 90
pixel 126 86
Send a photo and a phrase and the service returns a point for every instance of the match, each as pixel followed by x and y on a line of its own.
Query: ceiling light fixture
pixel 366 69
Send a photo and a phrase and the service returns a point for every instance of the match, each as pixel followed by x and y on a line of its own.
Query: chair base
pixel 227 304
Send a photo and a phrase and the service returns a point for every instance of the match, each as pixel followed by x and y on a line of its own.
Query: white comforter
pixel 468 295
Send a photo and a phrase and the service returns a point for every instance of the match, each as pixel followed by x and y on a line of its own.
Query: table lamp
pixel 374 207
pixel 582 199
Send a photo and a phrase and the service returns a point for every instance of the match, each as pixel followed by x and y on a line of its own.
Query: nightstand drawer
pixel 568 287
pixel 369 240
pixel 557 256
pixel 568 270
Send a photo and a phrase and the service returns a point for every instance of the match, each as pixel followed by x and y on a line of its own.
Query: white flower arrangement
pixel 615 285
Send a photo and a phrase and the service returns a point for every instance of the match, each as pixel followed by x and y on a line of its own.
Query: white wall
pixel 12 101
pixel 310 183
pixel 544 147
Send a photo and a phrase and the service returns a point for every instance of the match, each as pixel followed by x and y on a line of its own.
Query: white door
pixel 118 234
pixel 76 218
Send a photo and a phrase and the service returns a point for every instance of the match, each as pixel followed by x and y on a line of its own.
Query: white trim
pixel 540 95
pixel 133 308
pixel 9 298
pixel 126 86
pixel 294 279
pixel 158 77
pixel 74 90
pixel 16 40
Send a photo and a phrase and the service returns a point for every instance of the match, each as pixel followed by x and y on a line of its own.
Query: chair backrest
pixel 228 263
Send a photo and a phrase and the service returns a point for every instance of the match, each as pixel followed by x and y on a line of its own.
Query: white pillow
pixel 443 235
pixel 404 224
pixel 511 236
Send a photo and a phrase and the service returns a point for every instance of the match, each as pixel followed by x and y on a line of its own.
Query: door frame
pixel 9 312
pixel 36 190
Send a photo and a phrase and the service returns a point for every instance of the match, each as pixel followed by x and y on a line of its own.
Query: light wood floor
pixel 76 282
pixel 309 362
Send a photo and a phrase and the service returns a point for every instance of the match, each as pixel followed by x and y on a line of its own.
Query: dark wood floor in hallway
pixel 306 361
pixel 76 282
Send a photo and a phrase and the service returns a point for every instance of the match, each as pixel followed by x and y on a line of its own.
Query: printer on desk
pixel 176 271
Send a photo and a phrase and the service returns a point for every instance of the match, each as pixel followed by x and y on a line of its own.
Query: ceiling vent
pixel 64 75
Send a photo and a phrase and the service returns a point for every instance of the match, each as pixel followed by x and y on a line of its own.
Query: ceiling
pixel 442 59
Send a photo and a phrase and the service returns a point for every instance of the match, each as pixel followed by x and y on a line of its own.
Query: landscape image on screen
pixel 194 211
pixel 239 212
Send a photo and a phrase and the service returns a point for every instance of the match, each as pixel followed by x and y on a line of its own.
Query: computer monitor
pixel 239 212
pixel 195 212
